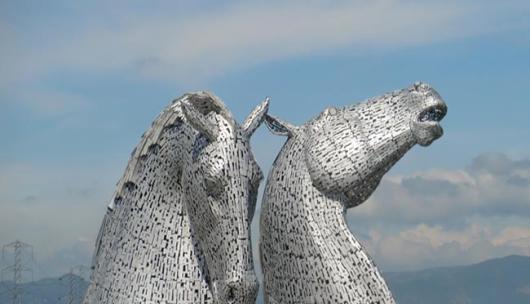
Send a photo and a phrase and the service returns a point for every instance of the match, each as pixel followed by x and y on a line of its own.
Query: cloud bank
pixel 447 217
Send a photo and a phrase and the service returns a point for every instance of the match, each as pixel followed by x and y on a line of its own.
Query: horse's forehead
pixel 241 153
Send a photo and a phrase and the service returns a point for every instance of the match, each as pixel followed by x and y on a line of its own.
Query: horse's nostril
pixel 230 293
pixel 243 289
pixel 253 288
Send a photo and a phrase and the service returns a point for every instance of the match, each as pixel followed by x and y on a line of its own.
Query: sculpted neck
pixel 291 184
pixel 301 224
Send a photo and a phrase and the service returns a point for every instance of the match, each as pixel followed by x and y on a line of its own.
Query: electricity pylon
pixel 74 278
pixel 21 264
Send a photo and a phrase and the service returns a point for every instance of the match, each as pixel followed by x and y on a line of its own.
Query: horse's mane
pixel 171 116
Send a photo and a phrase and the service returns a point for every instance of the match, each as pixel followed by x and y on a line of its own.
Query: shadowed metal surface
pixel 178 227
pixel 327 165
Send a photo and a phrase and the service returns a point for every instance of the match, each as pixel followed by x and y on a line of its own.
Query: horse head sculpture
pixel 178 228
pixel 327 165
pixel 221 185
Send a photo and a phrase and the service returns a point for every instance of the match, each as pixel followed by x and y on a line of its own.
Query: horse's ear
pixel 279 127
pixel 255 118
pixel 199 122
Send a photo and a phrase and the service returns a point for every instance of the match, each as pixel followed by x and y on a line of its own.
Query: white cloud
pixel 524 290
pixel 425 246
pixel 448 217
pixel 190 44
pixel 187 45
pixel 493 184
pixel 514 236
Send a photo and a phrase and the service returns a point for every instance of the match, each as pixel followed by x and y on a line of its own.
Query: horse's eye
pixel 256 180
pixel 214 188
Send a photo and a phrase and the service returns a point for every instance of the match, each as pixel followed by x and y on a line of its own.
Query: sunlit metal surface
pixel 327 165
pixel 177 229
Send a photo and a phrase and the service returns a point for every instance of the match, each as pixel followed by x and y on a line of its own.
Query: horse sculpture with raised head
pixel 327 165
pixel 177 230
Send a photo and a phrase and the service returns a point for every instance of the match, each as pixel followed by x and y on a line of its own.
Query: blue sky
pixel 81 82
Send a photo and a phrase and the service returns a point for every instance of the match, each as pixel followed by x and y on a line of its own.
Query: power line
pixel 22 262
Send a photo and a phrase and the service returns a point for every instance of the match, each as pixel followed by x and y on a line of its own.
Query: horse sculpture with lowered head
pixel 178 227
pixel 327 165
